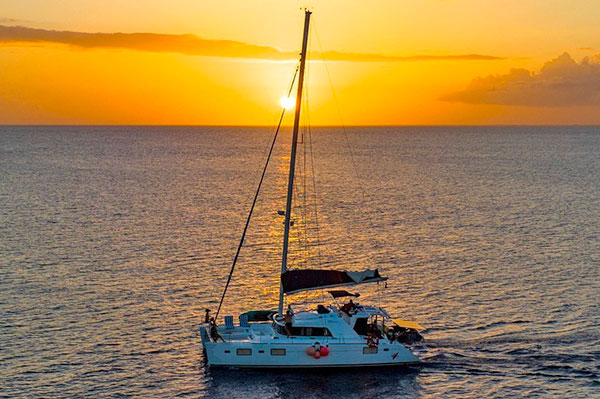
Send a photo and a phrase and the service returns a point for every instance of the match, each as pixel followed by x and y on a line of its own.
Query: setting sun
pixel 393 63
pixel 287 102
pixel 329 199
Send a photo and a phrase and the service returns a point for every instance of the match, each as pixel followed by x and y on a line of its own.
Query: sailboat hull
pixel 291 352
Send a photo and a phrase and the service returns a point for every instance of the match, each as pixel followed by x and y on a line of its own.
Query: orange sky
pixel 229 62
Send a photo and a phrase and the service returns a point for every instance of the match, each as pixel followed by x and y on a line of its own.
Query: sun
pixel 287 102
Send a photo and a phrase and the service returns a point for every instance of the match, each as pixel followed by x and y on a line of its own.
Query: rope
pixel 314 183
pixel 349 147
pixel 262 177
pixel 304 170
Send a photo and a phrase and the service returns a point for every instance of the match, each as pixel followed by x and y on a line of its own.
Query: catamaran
pixel 330 335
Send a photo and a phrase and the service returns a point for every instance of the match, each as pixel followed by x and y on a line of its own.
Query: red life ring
pixel 372 340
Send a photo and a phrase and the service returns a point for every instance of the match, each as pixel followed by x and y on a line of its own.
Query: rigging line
pixel 297 233
pixel 300 233
pixel 301 222
pixel 314 184
pixel 262 177
pixel 351 153
pixel 304 211
pixel 304 191
pixel 302 236
pixel 313 171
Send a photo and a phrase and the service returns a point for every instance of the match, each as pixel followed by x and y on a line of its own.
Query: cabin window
pixel 244 352
pixel 310 332
pixel 277 352
pixel 360 326
pixel 227 351
pixel 369 350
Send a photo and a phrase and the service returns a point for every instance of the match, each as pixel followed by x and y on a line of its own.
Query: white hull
pixel 260 346
pixel 341 355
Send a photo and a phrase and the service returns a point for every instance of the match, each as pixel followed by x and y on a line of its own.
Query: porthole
pixel 277 352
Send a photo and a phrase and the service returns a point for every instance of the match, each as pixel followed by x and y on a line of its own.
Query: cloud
pixel 560 82
pixel 184 44
pixel 358 57
pixel 194 45
pixel 4 20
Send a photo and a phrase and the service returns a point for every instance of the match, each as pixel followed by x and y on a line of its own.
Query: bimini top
pixel 342 293
pixel 307 279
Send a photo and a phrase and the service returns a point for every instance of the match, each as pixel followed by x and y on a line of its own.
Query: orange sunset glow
pixel 230 62
pixel 316 199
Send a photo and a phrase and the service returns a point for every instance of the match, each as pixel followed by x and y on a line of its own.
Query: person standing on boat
pixel 214 332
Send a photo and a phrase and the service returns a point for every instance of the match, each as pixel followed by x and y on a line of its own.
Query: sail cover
pixel 342 293
pixel 307 279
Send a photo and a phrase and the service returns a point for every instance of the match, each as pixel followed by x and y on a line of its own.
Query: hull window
pixel 243 352
pixel 277 352
pixel 369 350
pixel 310 332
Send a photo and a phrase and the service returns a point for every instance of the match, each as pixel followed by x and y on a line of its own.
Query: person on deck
pixel 348 307
pixel 214 332
pixel 352 305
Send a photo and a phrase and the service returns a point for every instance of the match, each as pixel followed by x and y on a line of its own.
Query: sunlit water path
pixel 114 239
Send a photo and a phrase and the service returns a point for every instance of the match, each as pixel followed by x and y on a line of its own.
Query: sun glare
pixel 287 102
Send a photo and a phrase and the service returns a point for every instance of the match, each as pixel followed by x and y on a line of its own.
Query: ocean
pixel 113 241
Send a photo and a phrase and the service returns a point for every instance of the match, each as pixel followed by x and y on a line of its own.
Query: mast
pixel 290 190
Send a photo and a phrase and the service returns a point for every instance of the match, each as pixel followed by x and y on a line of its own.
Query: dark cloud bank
pixel 560 82
pixel 194 45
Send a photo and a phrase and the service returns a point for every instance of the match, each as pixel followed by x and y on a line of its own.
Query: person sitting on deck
pixel 348 307
pixel 372 329
pixel 214 332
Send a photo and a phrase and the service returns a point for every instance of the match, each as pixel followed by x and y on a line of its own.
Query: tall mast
pixel 290 191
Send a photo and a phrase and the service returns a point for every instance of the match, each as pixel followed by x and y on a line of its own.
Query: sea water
pixel 113 241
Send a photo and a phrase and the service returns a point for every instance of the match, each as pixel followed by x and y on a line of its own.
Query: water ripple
pixel 114 239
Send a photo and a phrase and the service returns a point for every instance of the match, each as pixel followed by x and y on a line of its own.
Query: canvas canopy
pixel 259 315
pixel 307 279
pixel 408 324
pixel 342 293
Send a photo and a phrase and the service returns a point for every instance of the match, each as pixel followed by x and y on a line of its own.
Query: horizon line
pixel 290 126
